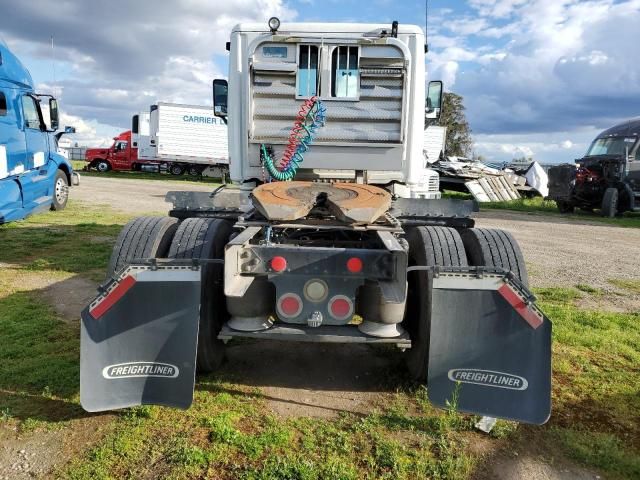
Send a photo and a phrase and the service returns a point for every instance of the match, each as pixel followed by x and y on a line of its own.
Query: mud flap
pixel 490 348
pixel 139 338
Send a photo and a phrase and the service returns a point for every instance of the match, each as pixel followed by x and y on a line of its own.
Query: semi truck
pixel 170 137
pixel 328 234
pixel 606 178
pixel 33 175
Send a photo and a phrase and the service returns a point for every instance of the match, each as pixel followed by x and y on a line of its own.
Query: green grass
pixel 39 355
pixel 76 240
pixel 630 285
pixel 79 165
pixel 596 392
pixel 229 431
pixel 601 450
pixel 231 436
pixel 548 207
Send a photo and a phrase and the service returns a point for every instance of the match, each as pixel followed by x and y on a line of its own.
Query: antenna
pixel 426 26
pixel 53 67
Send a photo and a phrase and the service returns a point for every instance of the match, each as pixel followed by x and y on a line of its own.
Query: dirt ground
pixel 293 380
pixel 131 196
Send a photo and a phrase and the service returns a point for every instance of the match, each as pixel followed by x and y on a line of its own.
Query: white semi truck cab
pixel 371 80
pixel 337 243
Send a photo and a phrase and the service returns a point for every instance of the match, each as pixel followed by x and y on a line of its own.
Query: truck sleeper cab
pixel 33 176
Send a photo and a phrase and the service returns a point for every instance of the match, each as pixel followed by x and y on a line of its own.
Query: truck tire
pixel 194 170
pixel 206 238
pixel 429 246
pixel 143 237
pixel 102 166
pixel 176 169
pixel 564 206
pixel 610 203
pixel 60 195
pixel 488 247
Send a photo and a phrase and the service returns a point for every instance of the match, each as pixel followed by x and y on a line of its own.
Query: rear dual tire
pixel 141 238
pixel 488 247
pixel 446 247
pixel 205 238
pixel 194 238
pixel 429 246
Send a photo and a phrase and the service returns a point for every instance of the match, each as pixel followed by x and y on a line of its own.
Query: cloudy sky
pixel 539 77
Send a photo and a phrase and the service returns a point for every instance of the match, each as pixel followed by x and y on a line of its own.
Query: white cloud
pixel 135 55
pixel 560 66
pixel 558 147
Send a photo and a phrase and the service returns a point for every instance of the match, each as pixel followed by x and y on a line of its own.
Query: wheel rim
pixel 102 167
pixel 61 191
pixel 176 170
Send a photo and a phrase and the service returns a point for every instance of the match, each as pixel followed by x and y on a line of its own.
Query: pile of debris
pixel 489 184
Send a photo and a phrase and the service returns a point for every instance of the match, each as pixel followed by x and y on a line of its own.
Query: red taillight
pixel 341 307
pixel 354 265
pixel 278 264
pixel 289 305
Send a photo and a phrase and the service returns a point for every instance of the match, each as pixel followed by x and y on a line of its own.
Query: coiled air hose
pixel 311 116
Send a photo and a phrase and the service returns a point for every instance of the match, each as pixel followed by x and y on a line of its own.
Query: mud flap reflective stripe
pixel 138 340
pixel 490 351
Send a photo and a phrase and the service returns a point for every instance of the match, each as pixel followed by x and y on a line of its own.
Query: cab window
pixel 122 145
pixel 3 105
pixel 307 80
pixel 344 72
pixel 30 109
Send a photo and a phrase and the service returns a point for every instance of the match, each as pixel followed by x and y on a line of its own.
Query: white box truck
pixel 185 137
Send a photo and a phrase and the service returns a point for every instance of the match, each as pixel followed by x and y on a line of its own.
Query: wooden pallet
pixel 492 188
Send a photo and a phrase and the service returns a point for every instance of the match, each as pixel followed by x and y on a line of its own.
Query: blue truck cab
pixel 33 176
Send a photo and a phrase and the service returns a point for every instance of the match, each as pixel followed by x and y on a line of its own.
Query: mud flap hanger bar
pixel 508 286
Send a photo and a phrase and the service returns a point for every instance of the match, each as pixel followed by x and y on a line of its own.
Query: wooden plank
pixel 477 191
pixel 488 189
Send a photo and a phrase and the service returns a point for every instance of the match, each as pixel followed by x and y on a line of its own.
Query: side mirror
pixel 54 120
pixel 434 100
pixel 69 129
pixel 220 88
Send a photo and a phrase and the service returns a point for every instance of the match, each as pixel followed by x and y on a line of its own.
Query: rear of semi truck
pixel 349 249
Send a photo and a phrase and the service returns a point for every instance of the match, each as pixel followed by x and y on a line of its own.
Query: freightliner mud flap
pixel 139 338
pixel 490 346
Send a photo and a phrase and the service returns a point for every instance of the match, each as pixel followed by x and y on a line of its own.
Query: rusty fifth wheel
pixel 348 202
